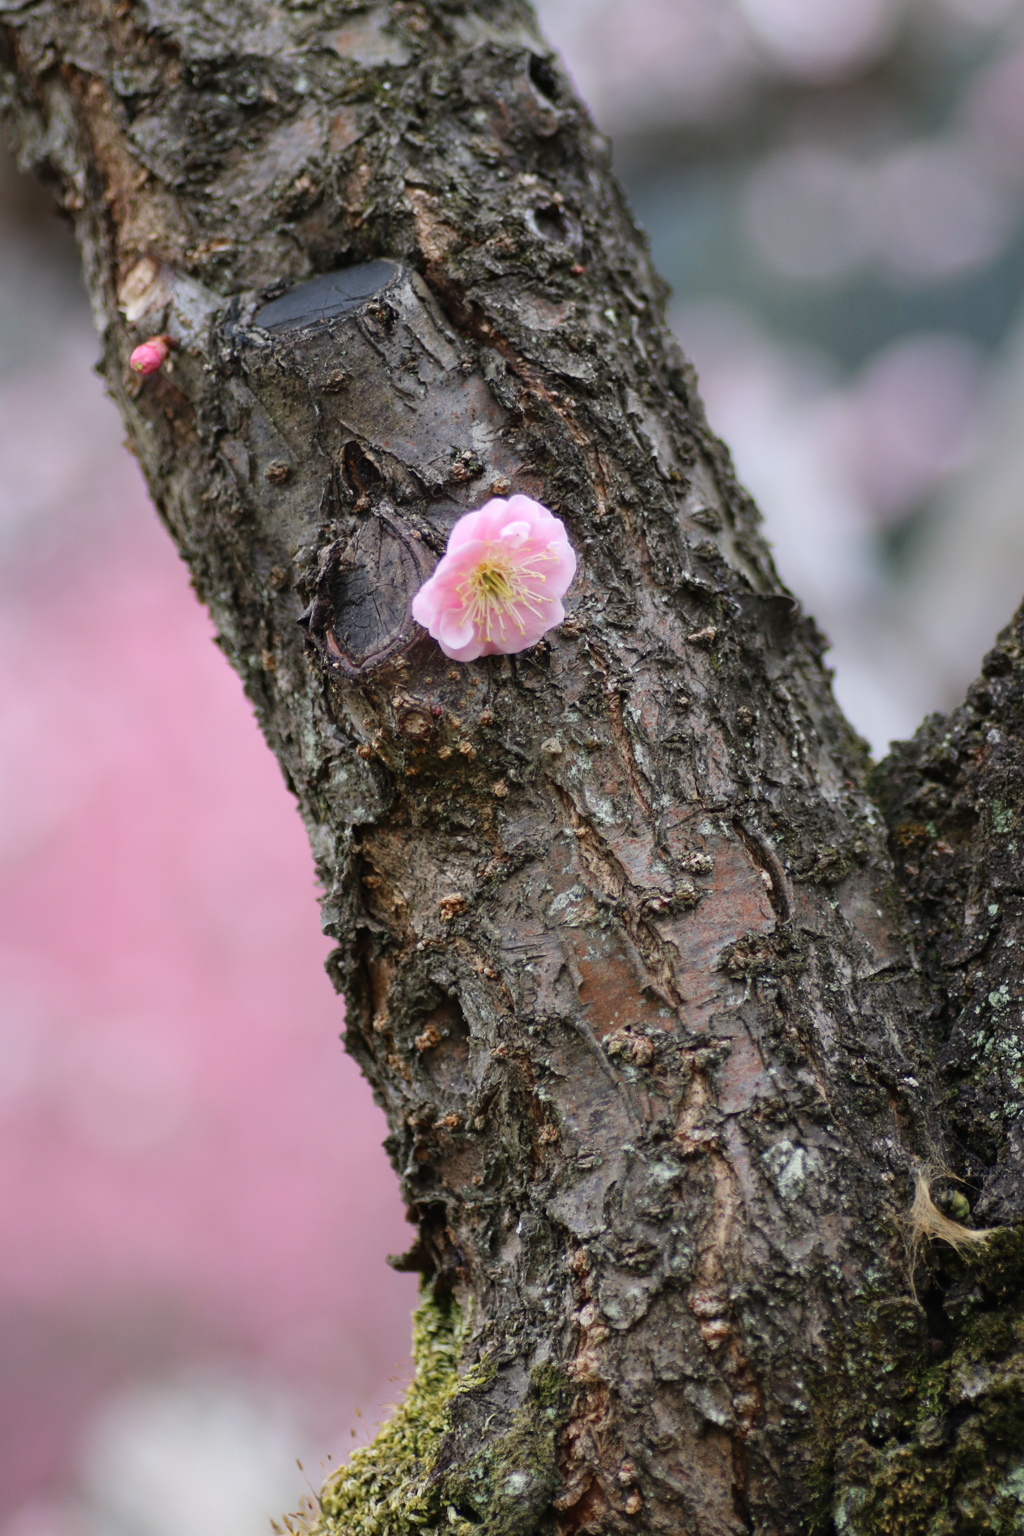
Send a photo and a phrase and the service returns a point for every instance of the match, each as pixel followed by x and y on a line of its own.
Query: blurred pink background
pixel 194 1204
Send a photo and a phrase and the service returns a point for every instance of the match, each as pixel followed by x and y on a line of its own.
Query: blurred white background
pixel 194 1206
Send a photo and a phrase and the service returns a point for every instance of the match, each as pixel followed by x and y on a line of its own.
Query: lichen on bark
pixel 927 1433
pixel 953 798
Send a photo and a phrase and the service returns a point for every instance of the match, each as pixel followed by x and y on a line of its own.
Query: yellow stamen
pixel 496 588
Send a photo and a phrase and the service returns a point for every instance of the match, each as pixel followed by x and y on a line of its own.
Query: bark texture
pixel 663 1036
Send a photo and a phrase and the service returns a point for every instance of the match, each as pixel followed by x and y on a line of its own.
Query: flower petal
pixel 475 525
pixel 515 534
pixel 455 628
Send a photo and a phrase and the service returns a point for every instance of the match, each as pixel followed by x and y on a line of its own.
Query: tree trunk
pixel 666 1041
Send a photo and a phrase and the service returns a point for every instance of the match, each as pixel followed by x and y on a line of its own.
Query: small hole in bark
pixel 544 78
pixel 246 90
pixel 360 472
pixel 550 222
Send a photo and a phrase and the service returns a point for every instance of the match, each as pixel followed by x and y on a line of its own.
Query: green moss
pixel 509 1485
pixel 386 1487
pixel 935 1447
pixel 1000 1264
pixel 396 1486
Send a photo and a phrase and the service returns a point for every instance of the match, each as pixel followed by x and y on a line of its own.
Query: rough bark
pixel 663 1041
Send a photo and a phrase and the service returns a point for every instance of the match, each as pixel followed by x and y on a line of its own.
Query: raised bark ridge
pixel 623 953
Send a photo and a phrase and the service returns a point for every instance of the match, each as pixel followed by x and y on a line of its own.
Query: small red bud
pixel 148 357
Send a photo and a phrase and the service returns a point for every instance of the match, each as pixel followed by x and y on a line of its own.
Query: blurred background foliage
pixel 835 190
pixel 194 1207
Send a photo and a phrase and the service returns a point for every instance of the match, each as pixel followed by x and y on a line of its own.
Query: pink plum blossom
pixel 148 357
pixel 499 585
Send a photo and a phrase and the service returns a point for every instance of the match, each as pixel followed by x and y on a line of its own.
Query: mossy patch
pixel 404 1484
pixel 928 1434
pixel 509 1485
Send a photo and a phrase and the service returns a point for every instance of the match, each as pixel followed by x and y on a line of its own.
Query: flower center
pixel 493 584
pixel 494 591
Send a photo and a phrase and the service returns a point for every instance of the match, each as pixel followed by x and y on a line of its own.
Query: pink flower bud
pixel 499 586
pixel 148 357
